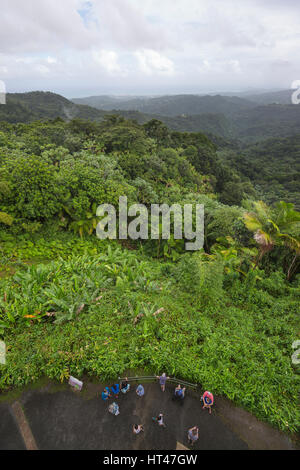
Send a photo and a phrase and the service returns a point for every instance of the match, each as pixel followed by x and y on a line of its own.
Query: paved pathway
pixel 10 436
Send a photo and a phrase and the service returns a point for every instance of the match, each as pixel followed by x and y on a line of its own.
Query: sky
pixel 135 47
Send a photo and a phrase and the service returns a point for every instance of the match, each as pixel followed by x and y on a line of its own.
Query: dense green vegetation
pixel 232 117
pixel 28 107
pixel 258 143
pixel 273 166
pixel 225 317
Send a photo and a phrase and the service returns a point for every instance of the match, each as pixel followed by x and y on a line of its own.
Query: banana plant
pixel 87 225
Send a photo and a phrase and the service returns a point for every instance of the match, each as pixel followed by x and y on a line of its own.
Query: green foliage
pixel 275 226
pixel 69 317
pixel 272 165
pixel 72 304
pixel 34 189
pixel 6 218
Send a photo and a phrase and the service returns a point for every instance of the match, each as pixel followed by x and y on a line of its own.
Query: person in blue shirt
pixel 105 394
pixel 115 390
pixel 179 392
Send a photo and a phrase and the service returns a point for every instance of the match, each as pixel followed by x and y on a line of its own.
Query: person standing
pixel 105 394
pixel 208 400
pixel 114 409
pixel 125 386
pixel 162 381
pixel 193 435
pixel 159 420
pixel 140 391
pixel 115 390
pixel 137 428
pixel 180 392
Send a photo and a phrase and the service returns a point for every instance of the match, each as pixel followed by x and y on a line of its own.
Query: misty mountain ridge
pixel 228 117
pixel 172 105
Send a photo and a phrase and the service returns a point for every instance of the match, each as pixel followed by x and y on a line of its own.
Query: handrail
pixel 154 377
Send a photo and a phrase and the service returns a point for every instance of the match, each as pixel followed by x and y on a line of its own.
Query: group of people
pixel 179 393
pixel 113 392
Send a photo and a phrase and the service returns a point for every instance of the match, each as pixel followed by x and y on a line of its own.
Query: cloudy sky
pixel 78 47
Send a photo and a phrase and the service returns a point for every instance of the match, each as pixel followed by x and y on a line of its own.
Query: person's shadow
pixel 177 399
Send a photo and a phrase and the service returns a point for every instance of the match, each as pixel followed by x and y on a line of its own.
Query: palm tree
pixel 265 230
pixel 293 244
pixel 272 227
pixel 287 219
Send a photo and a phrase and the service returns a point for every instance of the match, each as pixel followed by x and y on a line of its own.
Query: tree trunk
pixel 290 271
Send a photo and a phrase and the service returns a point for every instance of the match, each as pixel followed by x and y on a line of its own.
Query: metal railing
pixel 153 378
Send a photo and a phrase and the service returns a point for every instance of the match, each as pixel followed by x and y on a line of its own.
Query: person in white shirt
pixel 193 435
pixel 160 420
pixel 137 428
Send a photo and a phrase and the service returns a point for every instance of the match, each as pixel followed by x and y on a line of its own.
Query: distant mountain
pixel 108 102
pixel 228 118
pixel 38 105
pixel 28 107
pixel 173 105
pixel 248 125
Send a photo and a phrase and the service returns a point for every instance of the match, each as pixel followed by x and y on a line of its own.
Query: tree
pixel 34 191
pixel 273 227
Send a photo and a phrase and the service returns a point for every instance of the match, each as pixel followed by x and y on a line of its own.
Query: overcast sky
pixel 78 48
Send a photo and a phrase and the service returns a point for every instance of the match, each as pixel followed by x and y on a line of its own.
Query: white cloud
pixel 235 64
pixel 151 62
pixel 35 26
pixel 109 61
pixel 51 60
pixel 118 45
pixel 42 69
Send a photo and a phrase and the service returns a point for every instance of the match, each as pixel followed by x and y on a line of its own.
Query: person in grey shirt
pixel 193 435
pixel 140 391
pixel 162 381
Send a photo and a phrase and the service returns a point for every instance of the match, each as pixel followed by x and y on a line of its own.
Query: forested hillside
pixel 259 117
pixel 272 165
pixel 28 107
pixel 225 316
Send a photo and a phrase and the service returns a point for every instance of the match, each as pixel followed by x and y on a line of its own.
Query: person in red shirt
pixel 208 400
